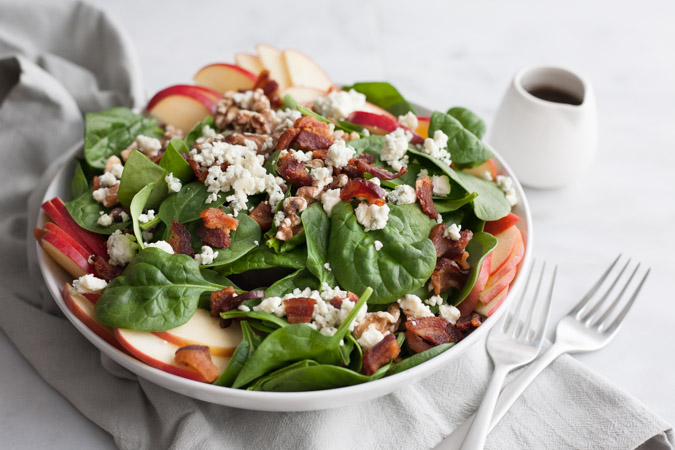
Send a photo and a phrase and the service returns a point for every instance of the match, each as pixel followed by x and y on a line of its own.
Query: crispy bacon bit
pixel 365 189
pixel 320 154
pixel 293 171
pixel 224 300
pixel 111 197
pixel 383 174
pixel 380 354
pixel 448 247
pixel 427 332
pixel 424 189
pixel 270 88
pixel 299 309
pixel 197 358
pixel 469 322
pixel 416 343
pixel 217 218
pixel 103 270
pixel 96 183
pixel 382 321
pixel 286 138
pixel 306 140
pixel 337 301
pixel 447 274
pixel 263 215
pixel 200 172
pixel 215 237
pixel 315 126
pixel 180 239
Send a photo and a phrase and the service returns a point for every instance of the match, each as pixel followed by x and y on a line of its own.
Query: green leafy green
pixel 469 120
pixel 453 204
pixel 240 356
pixel 290 102
pixel 85 211
pixel 79 185
pixel 259 315
pixel 157 291
pixel 301 278
pixel 405 262
pixel 196 131
pixel 464 147
pixel 317 228
pixel 265 258
pixel 418 358
pixel 383 95
pixel 139 171
pixel 174 163
pixel 280 246
pixel 186 205
pixel 109 132
pixel 271 164
pixel 478 248
pixel 136 209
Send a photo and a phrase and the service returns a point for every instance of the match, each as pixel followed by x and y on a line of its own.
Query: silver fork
pixel 583 329
pixel 511 344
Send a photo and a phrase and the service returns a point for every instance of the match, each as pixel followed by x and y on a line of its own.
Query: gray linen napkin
pixel 60 60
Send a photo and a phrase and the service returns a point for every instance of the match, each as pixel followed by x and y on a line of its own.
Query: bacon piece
pixel 365 189
pixel 214 237
pixel 320 154
pixel 315 126
pixel 269 87
pixel 448 247
pixel 286 138
pixel 337 301
pixel 416 343
pixel 380 354
pixel 111 197
pixel 469 322
pixel 446 275
pixel 383 174
pixel 224 300
pixel 263 215
pixel 105 271
pixel 180 239
pixel 424 189
pixel 197 358
pixel 95 183
pixel 307 140
pixel 299 309
pixel 293 171
pixel 217 218
pixel 427 332
pixel 200 172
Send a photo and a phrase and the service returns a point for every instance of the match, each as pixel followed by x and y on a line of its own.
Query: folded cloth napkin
pixel 59 60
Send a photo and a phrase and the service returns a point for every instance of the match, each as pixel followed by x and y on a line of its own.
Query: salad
pixel 266 230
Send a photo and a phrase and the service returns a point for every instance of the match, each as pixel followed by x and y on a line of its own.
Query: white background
pixel 443 54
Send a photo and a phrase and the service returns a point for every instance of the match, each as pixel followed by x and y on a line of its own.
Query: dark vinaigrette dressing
pixel 555 95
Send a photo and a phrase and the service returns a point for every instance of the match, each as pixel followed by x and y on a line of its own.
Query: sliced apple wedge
pixel 159 353
pixel 469 303
pixel 202 329
pixel 495 285
pixel 508 242
pixel 65 255
pixel 57 211
pixel 273 60
pixel 249 62
pixel 183 106
pixel 380 124
pixel 303 71
pixel 490 308
pixel 51 227
pixel 423 126
pixel 497 226
pixel 223 77
pixel 304 95
pixel 479 171
pixel 369 107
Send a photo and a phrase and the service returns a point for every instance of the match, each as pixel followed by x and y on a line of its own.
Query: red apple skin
pixel 423 126
pixel 206 97
pixel 495 285
pixel 490 308
pixel 51 227
pixel 497 226
pixel 57 211
pixel 222 77
pixel 506 244
pixel 487 166
pixel 469 303
pixel 380 124
pixel 63 253
pixel 371 108
pixel 512 262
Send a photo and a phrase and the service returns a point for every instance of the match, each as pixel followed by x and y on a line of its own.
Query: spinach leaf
pixel 405 262
pixel 317 228
pixel 309 112
pixel 139 171
pixel 271 164
pixel 80 185
pixel 215 278
pixel 186 205
pixel 290 102
pixel 280 246
pixel 278 322
pixel 156 292
pixel 469 120
pixel 449 205
pixel 418 358
pixel 299 279
pixel 136 209
pixel 340 125
pixel 383 95
pixel 196 131
pixel 85 211
pixel 109 132
pixel 241 354
pixel 265 258
pixel 243 240
pixel 478 248
pixel 173 162
pixel 490 204
pixel 464 147
pixel 297 342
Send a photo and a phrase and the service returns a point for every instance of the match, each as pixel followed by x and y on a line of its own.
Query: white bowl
pixel 56 277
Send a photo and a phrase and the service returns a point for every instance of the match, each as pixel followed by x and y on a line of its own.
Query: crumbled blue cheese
pixel 378 245
pixel 208 132
pixel 149 146
pixel 376 181
pixel 365 132
pixel 403 194
pixel 327 267
pixel 395 148
pixel 413 307
pixel 107 180
pixel 487 175
pixel 434 300
pixel 243 308
pixel 409 120
pixel 110 178
pixel 105 220
pixel 372 217
pixel 162 245
pixel 256 243
pixel 117 170
pixel 207 256
pixel 452 232
pixel 339 154
pixel 329 199
pixel 321 176
pixel 441 185
pixel 286 118
pixel 437 147
pixel 147 217
pixel 339 104
pixel 370 337
pixel 89 284
pixel 298 155
pixel 279 218
pixel 423 173
pixel 449 313
pixel 121 248
pixel 506 184
pixel 173 183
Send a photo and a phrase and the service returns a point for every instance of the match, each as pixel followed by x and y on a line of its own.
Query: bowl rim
pixel 281 401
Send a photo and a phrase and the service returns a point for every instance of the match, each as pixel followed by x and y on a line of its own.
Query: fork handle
pixel 475 439
pixel 508 396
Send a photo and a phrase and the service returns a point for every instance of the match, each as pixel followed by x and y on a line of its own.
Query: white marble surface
pixel 441 56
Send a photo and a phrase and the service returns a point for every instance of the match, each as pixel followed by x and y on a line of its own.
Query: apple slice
pixel 65 255
pixel 423 126
pixel 158 353
pixel 273 60
pixel 497 226
pixel 506 245
pixel 57 211
pixel 490 308
pixel 303 71
pixel 495 285
pixel 51 227
pixel 223 77
pixel 202 329
pixel 469 303
pixel 380 124
pixel 304 95
pixel 183 106
pixel 369 107
pixel 249 62
pixel 83 308
pixel 487 166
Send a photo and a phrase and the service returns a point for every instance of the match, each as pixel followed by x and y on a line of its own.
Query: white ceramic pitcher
pixel 546 143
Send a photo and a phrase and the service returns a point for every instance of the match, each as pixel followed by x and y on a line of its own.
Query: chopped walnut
pixel 309 193
pixel 339 181
pixel 110 162
pixel 111 196
pixel 294 205
pixel 289 227
pixel 248 111
pixel 382 321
